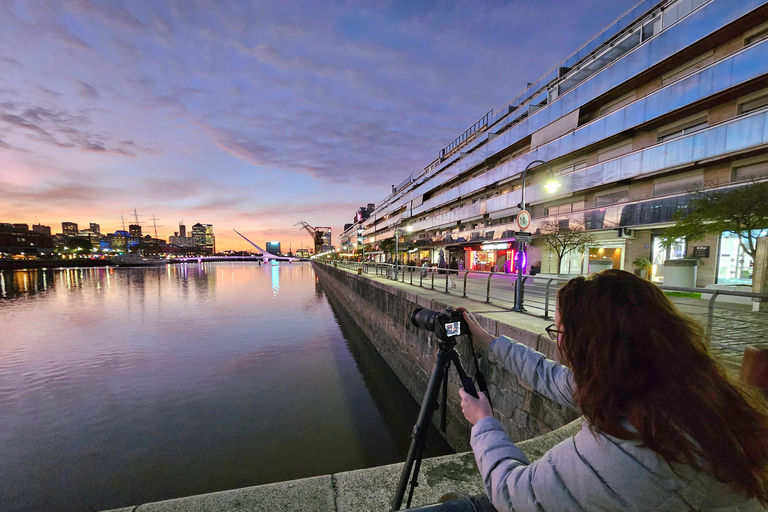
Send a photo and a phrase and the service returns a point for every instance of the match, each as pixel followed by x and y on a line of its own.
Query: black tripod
pixel 445 356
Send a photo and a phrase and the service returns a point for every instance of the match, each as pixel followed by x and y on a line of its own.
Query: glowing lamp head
pixel 552 186
pixel 409 229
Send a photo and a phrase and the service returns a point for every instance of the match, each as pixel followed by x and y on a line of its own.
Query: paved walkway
pixel 734 326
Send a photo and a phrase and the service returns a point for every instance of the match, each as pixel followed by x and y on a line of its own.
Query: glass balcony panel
pixel 596 132
pixel 611 171
pixel 631 165
pixel 679 151
pixel 658 103
pixel 746 133
pixel 653 158
pixel 593 176
pixel 614 122
pixel 699 146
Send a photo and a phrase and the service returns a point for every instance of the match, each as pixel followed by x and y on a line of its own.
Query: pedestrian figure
pixel 453 272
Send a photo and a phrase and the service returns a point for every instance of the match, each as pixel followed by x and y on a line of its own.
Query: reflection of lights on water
pixel 2 284
pixel 275 278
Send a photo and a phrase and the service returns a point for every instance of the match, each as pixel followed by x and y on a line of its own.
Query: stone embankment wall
pixel 382 309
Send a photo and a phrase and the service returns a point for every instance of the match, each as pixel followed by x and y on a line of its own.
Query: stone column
pixel 760 274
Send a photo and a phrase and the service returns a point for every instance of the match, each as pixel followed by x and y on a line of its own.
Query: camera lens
pixel 424 318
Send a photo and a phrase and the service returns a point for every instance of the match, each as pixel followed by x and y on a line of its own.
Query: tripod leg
pixel 444 400
pixel 422 424
pixel 466 382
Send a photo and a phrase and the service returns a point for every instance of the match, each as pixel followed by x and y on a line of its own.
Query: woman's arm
pixel 545 376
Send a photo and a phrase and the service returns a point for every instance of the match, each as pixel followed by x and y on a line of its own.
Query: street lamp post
pixel 361 240
pixel 397 241
pixel 520 257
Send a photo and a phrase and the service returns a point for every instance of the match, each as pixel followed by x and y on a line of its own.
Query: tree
pixel 742 211
pixel 387 245
pixel 561 238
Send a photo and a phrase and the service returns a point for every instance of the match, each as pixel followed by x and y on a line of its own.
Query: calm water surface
pixel 123 386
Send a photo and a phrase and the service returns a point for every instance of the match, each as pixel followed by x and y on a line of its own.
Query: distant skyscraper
pixel 134 230
pixel 182 230
pixel 204 237
pixel 95 228
pixel 273 248
pixel 21 227
pixel 69 228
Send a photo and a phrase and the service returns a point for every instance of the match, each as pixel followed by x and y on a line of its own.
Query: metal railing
pixel 725 315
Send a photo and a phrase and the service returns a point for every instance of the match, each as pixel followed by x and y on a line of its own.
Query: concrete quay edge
pixel 361 490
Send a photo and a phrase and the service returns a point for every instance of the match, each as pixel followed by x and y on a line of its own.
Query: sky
pixel 253 115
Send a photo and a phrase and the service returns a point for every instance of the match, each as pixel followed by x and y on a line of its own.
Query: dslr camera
pixel 447 324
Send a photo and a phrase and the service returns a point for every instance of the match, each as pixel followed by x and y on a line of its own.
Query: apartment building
pixel 670 98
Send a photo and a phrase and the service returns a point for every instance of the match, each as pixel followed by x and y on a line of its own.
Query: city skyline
pixel 253 117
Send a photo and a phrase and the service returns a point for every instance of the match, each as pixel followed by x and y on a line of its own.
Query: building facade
pixel 671 98
pixel 69 228
pixel 204 238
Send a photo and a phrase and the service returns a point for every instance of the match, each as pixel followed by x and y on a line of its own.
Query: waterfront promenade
pixel 734 325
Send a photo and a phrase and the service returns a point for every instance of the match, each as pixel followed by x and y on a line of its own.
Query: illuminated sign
pixel 495 247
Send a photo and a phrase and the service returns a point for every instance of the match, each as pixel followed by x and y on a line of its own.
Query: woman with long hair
pixel 664 428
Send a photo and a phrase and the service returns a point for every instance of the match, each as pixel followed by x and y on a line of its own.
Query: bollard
pixel 754 368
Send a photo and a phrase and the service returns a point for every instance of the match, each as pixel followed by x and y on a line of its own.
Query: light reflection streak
pixel 275 279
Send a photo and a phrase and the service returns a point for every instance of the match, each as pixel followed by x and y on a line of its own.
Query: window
pixel 756 38
pixel 618 103
pixel 614 151
pixel 684 129
pixel 749 172
pixel 678 185
pixel 688 68
pixel 760 103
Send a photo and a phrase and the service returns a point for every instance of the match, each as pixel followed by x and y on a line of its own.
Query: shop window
pixel 734 265
pixel 660 254
pixel 755 105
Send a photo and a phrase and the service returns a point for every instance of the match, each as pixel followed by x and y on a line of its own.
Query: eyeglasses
pixel 554 334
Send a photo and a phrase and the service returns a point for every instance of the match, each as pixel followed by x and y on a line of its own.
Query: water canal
pixel 125 386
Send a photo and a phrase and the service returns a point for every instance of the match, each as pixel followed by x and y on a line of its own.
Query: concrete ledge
pixel 355 491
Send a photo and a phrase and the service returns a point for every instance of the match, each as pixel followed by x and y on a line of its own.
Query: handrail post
pixel 465 283
pixel 710 311
pixel 433 279
pixel 488 289
pixel 546 298
pixel 411 272
pixel 446 280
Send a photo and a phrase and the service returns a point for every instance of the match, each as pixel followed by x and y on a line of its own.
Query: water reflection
pixel 137 385
pixel 14 283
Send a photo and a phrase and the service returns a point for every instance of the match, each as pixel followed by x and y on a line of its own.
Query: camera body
pixel 447 324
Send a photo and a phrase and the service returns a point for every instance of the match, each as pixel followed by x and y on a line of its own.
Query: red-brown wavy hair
pixel 634 354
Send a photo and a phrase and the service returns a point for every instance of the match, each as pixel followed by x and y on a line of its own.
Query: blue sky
pixel 253 115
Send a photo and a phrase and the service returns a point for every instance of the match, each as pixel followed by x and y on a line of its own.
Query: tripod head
pixel 447 324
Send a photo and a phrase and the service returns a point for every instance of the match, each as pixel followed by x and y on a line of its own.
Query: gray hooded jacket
pixel 589 472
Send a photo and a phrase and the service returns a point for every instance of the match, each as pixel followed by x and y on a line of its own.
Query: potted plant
pixel 642 266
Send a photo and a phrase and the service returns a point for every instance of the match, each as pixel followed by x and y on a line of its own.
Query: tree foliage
pixel 387 245
pixel 561 237
pixel 741 211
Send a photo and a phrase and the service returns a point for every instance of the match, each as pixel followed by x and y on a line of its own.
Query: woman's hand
pixel 479 335
pixel 475 409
